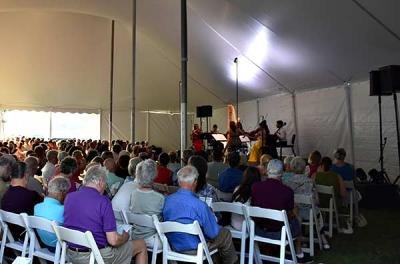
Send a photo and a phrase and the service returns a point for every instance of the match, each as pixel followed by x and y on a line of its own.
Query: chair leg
pixel 294 153
pixel 282 246
pixel 251 244
pixel 331 218
pixel 318 230
pixel 257 254
pixel 311 234
pixel 154 253
pixel 243 244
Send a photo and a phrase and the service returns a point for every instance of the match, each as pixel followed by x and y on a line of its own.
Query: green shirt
pixel 328 178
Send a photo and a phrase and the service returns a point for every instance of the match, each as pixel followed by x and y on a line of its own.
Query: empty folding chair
pixel 242 234
pixel 146 221
pixel 286 235
pixel 311 222
pixel 7 238
pixel 332 209
pixel 35 250
pixel 203 252
pixel 84 239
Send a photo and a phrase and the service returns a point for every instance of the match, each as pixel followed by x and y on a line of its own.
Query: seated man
pixel 6 162
pixel 231 177
pixel 195 209
pixel 52 208
pixel 49 169
pixel 32 164
pixel 18 199
pixel 215 167
pixel 273 194
pixel 89 210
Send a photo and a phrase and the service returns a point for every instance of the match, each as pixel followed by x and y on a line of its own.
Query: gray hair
pixel 132 165
pixel 298 165
pixel 32 164
pixel 275 168
pixel 188 174
pixel 95 175
pixel 146 171
pixel 7 159
pixel 61 155
pixel 287 160
pixel 59 185
pixel 51 154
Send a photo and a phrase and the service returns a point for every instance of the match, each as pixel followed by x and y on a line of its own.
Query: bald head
pixel 110 164
pixel 32 164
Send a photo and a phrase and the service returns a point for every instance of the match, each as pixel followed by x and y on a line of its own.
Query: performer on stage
pixel 214 129
pixel 195 136
pixel 232 136
pixel 261 134
pixel 281 132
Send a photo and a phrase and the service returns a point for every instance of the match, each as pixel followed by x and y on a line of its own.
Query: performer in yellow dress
pixel 261 134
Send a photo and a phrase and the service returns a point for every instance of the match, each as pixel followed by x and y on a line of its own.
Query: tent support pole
pixel 110 115
pixel 347 89
pixel 296 130
pixel 133 103
pixel 183 90
pixel 148 126
pixel 51 124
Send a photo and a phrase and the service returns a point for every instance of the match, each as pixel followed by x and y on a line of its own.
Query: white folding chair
pixel 35 250
pixel 224 196
pixel 146 221
pixel 235 208
pixel 286 235
pixel 312 221
pixel 119 217
pixel 349 185
pixel 21 260
pixel 65 235
pixel 7 238
pixel 203 252
pixel 332 209
pixel 207 200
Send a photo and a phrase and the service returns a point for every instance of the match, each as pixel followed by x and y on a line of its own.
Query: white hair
pixel 146 171
pixel 133 162
pixel 59 185
pixel 287 160
pixel 95 174
pixel 188 174
pixel 298 165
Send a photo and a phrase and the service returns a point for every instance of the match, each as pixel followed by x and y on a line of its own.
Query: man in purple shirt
pixel 88 209
pixel 273 194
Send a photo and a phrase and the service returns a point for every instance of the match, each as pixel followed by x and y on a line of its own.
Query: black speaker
pixel 204 111
pixel 390 78
pixel 375 84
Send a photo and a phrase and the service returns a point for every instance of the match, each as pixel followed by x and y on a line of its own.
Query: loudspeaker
pixel 375 84
pixel 390 78
pixel 204 111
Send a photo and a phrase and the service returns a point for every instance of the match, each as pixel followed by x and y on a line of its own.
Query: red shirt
pixel 164 176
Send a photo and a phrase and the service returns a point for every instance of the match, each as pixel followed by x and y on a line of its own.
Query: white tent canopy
pixel 56 55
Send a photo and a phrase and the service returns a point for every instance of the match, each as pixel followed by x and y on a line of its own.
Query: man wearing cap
pixel 273 194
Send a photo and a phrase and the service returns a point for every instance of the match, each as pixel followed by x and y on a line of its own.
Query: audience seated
pixel 173 166
pixel 122 198
pixel 90 210
pixel 242 193
pixel 164 175
pixel 215 167
pixel 203 189
pixel 6 163
pixel 52 208
pixel 81 163
pixel 146 171
pixel 314 161
pixel 195 210
pixel 287 169
pixel 341 167
pixel 32 164
pixel 49 169
pixel 187 153
pixel 122 165
pixel 112 179
pixel 18 199
pixel 272 194
pixel 68 167
pixel 231 177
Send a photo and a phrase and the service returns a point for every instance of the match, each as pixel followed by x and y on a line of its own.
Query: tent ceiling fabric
pixel 56 53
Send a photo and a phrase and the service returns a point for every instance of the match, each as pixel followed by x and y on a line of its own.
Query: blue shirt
pixel 229 179
pixel 346 171
pixel 184 207
pixel 52 210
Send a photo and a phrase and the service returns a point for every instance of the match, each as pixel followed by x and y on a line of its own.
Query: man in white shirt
pixel 281 131
pixel 49 169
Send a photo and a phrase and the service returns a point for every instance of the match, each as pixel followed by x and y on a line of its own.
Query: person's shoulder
pixel 158 195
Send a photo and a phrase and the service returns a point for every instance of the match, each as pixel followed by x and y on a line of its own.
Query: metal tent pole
pixel 350 120
pixel 183 90
pixel 133 102
pixel 237 87
pixel 110 116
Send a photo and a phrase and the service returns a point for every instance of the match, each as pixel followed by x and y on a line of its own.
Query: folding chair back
pixel 146 221
pixel 84 239
pixel 332 210
pixel 39 223
pixel 235 208
pixel 207 200
pixel 312 221
pixel 286 235
pixel 7 238
pixel 224 196
pixel 349 185
pixel 192 229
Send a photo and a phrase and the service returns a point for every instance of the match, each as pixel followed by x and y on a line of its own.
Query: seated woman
pixel 314 160
pixel 144 200
pixel 164 175
pixel 242 194
pixel 203 189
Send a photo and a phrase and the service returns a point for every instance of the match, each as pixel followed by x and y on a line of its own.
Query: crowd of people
pixel 80 184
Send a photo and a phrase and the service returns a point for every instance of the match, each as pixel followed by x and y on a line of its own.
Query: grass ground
pixel 378 242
